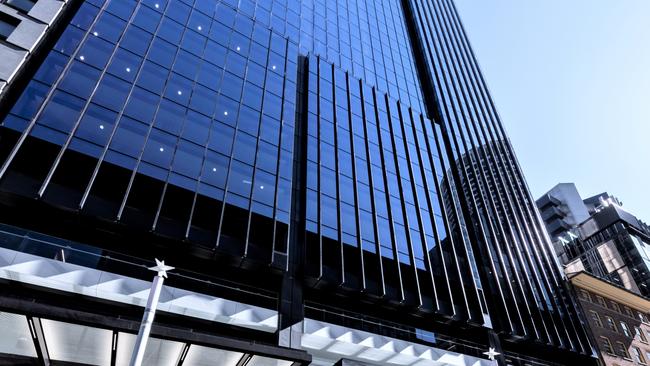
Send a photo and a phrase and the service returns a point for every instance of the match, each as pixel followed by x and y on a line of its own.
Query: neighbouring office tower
pixel 330 178
pixel 598 236
pixel 617 318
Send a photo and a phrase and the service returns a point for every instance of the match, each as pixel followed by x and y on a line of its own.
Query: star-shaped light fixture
pixel 161 268
pixel 491 353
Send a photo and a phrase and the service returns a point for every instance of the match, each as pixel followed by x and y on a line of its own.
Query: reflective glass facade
pixel 513 245
pixel 349 143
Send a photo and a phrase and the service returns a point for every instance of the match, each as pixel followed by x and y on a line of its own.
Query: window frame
pixel 597 320
pixel 639 332
pixel 608 347
pixel 626 329
pixel 611 324
pixel 621 347
pixel 638 355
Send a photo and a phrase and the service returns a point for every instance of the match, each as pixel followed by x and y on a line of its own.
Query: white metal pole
pixel 149 312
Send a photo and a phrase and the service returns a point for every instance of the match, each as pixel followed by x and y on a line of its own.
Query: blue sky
pixel 571 80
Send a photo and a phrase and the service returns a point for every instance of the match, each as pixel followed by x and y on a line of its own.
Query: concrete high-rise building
pixel 330 178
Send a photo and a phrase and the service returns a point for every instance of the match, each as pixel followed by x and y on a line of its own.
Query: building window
pixel 601 301
pixel 621 350
pixel 638 356
pixel 640 334
pixel 642 317
pixel 626 330
pixel 7 25
pixel 21 5
pixel 611 324
pixel 596 318
pixel 584 294
pixel 615 306
pixel 607 345
pixel 629 312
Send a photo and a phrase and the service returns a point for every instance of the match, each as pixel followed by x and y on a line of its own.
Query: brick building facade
pixel 617 318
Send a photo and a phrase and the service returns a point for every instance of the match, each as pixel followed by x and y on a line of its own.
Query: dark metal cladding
pixel 529 289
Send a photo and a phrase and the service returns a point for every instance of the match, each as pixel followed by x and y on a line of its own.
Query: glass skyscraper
pixel 336 170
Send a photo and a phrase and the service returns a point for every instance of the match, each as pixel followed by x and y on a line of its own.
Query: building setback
pixel 607 241
pixel 330 178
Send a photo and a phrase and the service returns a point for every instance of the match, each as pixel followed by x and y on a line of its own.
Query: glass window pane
pixel 61 111
pixel 170 117
pixel 96 124
pixel 147 19
pixel 197 128
pixel 111 92
pixel 129 137
pixel 125 64
pixel 142 105
pixel 109 27
pixel 51 68
pixel 121 8
pixel 170 30
pixel 240 180
pixel 160 148
pixel 215 169
pixel 188 159
pixel 95 51
pixel 204 100
pixel 186 64
pixel 178 89
pixel 69 40
pixel 152 77
pixel 162 52
pixel 31 99
pixel 221 138
pixel 136 40
pixel 80 79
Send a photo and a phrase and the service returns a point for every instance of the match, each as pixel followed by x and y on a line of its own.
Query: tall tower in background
pixel 330 179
